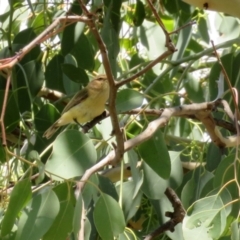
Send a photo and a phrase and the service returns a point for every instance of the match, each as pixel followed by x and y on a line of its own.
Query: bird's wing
pixel 77 98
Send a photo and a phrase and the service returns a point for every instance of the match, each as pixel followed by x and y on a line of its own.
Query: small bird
pixel 87 104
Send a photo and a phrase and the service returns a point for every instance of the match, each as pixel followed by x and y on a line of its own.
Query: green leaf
pixel 203 29
pixel 29 80
pixel 15 2
pixel 130 203
pixel 208 212
pixel 183 39
pixel 33 156
pixel 108 217
pixel 2 154
pixel 38 216
pixel 235 230
pixel 204 210
pixel 227 61
pixel 198 233
pixel 40 22
pixel 113 9
pixel 175 6
pixel 11 118
pixel 73 153
pixel 193 188
pixel 21 40
pixel 90 192
pixel 70 86
pixel 45 117
pixel 20 196
pixel 137 175
pixel 77 216
pixel 194 88
pixel 189 187
pixel 153 186
pixel 154 152
pixel 153 39
pixel 83 53
pixel 62 224
pixel 107 187
pixel 213 157
pixel 176 175
pixel 54 74
pixel 139 14
pixel 34 76
pixel 127 100
pixel 71 35
pixel 110 37
pixel 75 8
pixel 161 207
pixel 225 173
pixel 77 75
pixel 228 27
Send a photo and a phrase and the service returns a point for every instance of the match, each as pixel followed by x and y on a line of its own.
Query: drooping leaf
pixel 153 186
pixel 38 216
pixel 139 14
pixel 110 37
pixel 203 29
pixel 154 152
pixel 62 224
pixel 108 217
pixel 20 196
pixel 83 53
pixel 71 35
pixel 130 202
pixel 54 75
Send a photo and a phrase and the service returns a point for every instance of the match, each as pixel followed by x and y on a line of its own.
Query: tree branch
pixel 201 111
pixel 176 216
pixel 113 88
pixel 47 33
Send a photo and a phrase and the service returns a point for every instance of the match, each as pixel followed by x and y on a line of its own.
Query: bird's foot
pixel 76 121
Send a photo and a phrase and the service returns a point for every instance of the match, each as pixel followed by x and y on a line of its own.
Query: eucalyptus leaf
pixel 20 196
pixel 38 216
pixel 73 153
pixel 154 152
pixel 108 217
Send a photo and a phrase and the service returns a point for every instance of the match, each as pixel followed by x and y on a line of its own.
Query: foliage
pixel 127 201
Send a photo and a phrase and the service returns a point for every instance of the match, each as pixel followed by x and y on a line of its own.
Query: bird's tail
pixel 50 131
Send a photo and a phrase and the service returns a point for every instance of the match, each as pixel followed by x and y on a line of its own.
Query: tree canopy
pixel 161 162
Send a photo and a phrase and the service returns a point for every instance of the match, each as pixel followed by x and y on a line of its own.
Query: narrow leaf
pixel 20 195
pixel 154 152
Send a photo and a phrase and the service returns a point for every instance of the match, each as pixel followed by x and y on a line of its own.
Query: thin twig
pixel 180 28
pixel 47 33
pixel 159 21
pixel 145 69
pixel 4 106
pixel 201 111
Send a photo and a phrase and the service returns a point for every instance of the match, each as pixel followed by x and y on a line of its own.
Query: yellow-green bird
pixel 87 104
